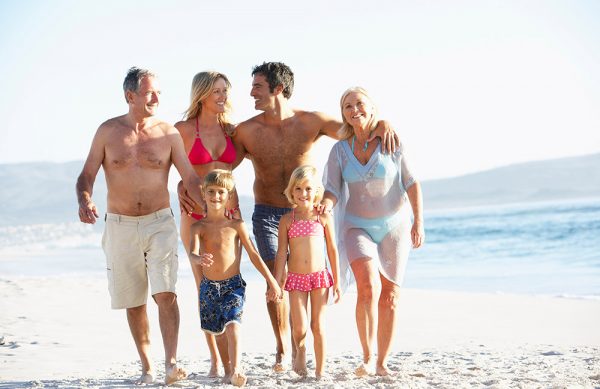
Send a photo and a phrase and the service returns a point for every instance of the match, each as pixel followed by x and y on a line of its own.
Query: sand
pixel 59 332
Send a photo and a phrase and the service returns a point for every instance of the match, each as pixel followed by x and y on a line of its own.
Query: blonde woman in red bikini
pixel 303 237
pixel 206 133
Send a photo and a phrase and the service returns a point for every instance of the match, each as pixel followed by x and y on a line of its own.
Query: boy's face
pixel 215 196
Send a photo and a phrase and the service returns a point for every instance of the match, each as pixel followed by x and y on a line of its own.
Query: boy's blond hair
pixel 299 175
pixel 221 178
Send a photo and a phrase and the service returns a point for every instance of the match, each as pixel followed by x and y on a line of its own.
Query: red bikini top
pixel 305 227
pixel 198 154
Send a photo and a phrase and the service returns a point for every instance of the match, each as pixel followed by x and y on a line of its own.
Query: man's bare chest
pixel 138 152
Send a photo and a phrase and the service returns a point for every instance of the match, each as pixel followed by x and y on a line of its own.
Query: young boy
pixel 215 245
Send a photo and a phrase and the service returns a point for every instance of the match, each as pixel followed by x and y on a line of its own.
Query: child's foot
pixel 281 363
pixel 300 363
pixel 364 369
pixel 145 378
pixel 238 379
pixel 174 374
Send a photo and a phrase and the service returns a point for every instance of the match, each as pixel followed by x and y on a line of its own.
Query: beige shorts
pixel 140 249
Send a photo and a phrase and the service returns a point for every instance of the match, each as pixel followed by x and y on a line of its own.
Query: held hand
pixel 186 204
pixel 204 260
pixel 389 138
pixel 274 293
pixel 234 213
pixel 323 208
pixel 88 213
pixel 417 234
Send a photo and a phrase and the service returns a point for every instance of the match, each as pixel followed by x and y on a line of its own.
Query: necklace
pixel 364 148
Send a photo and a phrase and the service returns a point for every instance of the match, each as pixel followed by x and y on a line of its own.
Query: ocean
pixel 548 248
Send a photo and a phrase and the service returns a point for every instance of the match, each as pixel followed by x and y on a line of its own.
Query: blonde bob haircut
pixel 300 175
pixel 347 131
pixel 221 178
pixel 202 86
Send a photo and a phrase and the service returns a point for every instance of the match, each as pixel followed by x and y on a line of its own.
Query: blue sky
pixel 469 85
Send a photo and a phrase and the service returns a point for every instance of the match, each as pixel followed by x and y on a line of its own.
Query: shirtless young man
pixel 277 141
pixel 136 151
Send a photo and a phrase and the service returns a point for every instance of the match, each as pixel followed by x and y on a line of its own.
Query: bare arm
pixel 85 182
pixel 417 232
pixel 389 138
pixel 191 181
pixel 327 203
pixel 195 256
pixel 282 250
pixel 328 126
pixel 332 254
pixel 274 289
pixel 240 150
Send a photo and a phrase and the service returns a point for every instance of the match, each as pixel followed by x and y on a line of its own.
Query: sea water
pixel 544 248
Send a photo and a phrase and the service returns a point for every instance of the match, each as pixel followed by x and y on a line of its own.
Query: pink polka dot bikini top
pixel 305 227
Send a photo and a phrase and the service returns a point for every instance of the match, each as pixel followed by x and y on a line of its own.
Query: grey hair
pixel 134 78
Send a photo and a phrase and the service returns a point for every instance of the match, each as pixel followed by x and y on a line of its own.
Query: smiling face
pixel 215 196
pixel 263 98
pixel 145 101
pixel 357 110
pixel 217 99
pixel 305 193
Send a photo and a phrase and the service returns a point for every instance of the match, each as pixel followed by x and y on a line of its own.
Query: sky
pixel 468 85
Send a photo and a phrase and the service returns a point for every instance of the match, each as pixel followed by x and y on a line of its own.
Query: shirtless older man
pixel 277 141
pixel 136 151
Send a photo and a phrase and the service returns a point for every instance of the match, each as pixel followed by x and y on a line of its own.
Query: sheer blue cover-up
pixel 372 214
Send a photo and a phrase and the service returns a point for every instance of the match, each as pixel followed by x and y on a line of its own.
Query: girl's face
pixel 304 193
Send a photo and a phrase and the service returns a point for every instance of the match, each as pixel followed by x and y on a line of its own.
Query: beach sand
pixel 59 332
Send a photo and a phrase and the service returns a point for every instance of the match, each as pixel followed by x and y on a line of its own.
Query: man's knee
pixel 165 298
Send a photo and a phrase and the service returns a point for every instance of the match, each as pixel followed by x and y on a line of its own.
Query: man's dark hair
pixel 277 73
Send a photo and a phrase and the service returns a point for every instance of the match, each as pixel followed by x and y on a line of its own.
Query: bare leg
pixel 186 222
pixel 318 303
pixel 140 331
pixel 168 318
pixel 232 331
pixel 298 308
pixel 223 347
pixel 368 287
pixel 279 314
pixel 388 302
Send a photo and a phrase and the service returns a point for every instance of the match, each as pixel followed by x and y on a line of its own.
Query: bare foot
pixel 382 370
pixel 238 379
pixel 300 363
pixel 213 372
pixel 281 363
pixel 174 374
pixel 145 378
pixel 365 369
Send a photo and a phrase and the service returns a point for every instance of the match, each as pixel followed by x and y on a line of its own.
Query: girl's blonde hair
pixel 347 131
pixel 202 86
pixel 300 175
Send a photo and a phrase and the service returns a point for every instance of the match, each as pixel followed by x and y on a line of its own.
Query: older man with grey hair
pixel 136 151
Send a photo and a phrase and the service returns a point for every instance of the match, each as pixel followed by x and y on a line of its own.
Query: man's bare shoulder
pixel 253 122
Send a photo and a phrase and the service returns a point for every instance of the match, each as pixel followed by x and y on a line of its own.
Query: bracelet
pixel 234 209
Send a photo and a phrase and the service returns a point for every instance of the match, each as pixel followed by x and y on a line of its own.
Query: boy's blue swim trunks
pixel 221 303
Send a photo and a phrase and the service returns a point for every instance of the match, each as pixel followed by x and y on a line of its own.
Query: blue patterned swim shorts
pixel 221 303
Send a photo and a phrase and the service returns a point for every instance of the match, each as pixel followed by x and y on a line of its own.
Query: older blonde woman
pixel 372 192
pixel 206 133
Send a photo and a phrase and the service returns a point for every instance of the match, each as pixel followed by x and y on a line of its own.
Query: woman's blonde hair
pixel 202 86
pixel 347 131
pixel 302 174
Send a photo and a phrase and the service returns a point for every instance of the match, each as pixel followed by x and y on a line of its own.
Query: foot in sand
pixel 365 369
pixel 213 372
pixel 238 379
pixel 145 378
pixel 300 362
pixel 382 370
pixel 281 363
pixel 174 374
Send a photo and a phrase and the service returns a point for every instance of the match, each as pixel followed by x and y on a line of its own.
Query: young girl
pixel 306 234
